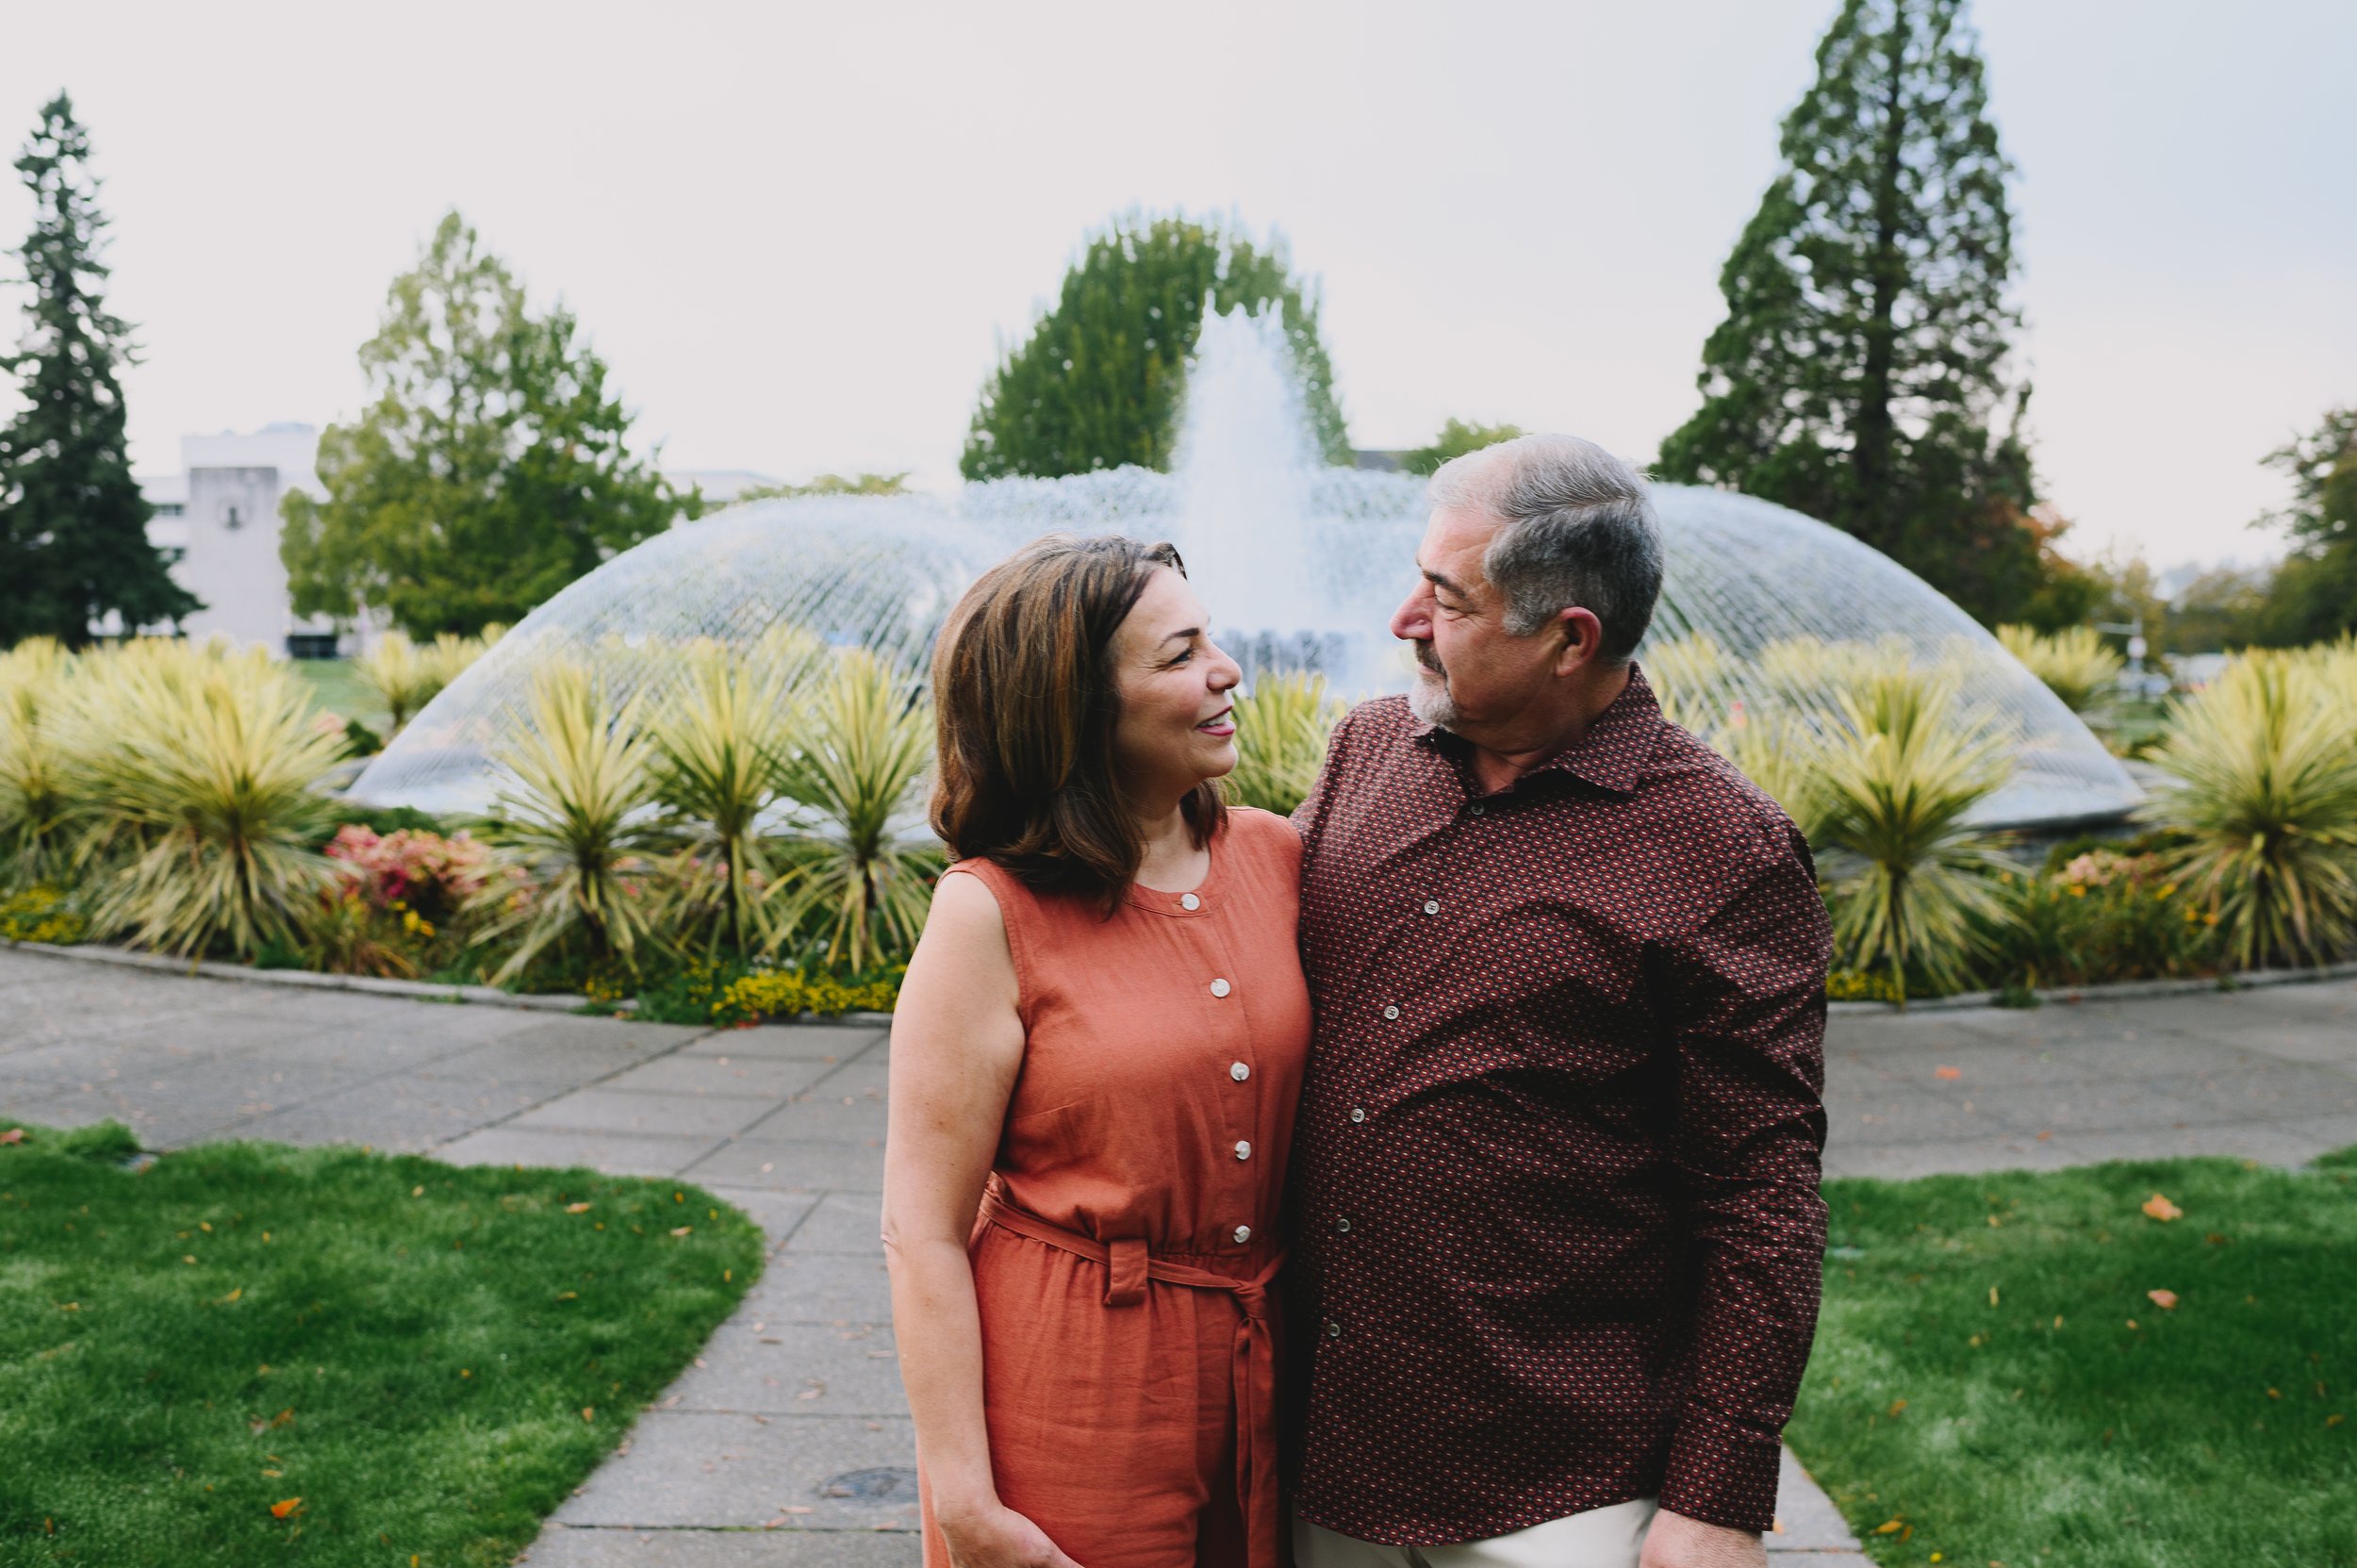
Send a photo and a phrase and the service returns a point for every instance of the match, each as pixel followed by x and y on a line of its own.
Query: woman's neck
pixel 1170 860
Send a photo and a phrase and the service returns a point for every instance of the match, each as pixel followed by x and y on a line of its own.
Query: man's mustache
pixel 1430 660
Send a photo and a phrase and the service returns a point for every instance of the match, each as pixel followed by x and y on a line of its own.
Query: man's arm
pixel 1745 995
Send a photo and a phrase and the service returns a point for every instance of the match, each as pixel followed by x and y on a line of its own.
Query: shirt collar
pixel 1610 753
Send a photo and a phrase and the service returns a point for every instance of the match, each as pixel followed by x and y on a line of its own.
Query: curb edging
pixel 2124 990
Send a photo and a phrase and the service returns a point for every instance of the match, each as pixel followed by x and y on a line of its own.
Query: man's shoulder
pixel 1712 796
pixel 1376 720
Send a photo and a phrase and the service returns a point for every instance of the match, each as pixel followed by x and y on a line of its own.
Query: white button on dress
pixel 1244 1149
pixel 1188 900
pixel 1244 1233
pixel 1238 1071
pixel 1220 987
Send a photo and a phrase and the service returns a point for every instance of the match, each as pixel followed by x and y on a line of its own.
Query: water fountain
pixel 1300 565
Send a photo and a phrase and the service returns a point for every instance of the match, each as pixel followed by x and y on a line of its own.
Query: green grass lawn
pixel 337 689
pixel 1993 1384
pixel 430 1359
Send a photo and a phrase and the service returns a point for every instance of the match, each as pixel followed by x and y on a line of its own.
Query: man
pixel 1556 1175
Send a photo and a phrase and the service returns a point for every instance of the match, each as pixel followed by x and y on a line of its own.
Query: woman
pixel 1098 1048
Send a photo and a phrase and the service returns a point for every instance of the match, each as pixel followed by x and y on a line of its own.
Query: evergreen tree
pixel 73 524
pixel 1860 374
pixel 489 471
pixel 1098 382
pixel 2314 595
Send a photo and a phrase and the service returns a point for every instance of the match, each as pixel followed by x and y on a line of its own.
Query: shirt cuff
pixel 1720 1473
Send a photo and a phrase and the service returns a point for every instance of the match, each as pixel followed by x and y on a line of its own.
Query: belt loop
pixel 1124 1276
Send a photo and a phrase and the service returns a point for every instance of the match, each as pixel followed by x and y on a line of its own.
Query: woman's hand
pixel 1001 1538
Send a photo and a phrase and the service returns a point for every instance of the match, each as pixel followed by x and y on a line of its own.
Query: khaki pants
pixel 1600 1538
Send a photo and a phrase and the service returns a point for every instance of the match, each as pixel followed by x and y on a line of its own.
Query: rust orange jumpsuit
pixel 1123 1256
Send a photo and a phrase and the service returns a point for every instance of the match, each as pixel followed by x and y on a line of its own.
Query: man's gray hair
pixel 1577 529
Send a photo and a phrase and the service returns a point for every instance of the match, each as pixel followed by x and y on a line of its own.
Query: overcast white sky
pixel 800 233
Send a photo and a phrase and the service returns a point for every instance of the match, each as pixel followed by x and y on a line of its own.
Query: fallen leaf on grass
pixel 2162 1209
pixel 2275 1394
pixel 1896 1405
pixel 416 1192
pixel 1891 1528
pixel 2335 1420
pixel 285 1508
pixel 232 1296
pixel 683 1231
pixel 588 1412
pixel 1951 1073
pixel 576 1208
pixel 2166 1300
pixel 13 1135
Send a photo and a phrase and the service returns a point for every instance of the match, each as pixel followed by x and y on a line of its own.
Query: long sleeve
pixel 1750 1131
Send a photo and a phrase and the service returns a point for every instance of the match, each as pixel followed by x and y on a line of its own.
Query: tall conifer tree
pixel 1861 373
pixel 73 524
pixel 1099 382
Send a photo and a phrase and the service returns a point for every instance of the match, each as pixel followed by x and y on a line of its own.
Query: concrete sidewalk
pixel 788 1442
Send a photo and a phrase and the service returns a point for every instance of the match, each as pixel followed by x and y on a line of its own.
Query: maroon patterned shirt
pixel 1555 1182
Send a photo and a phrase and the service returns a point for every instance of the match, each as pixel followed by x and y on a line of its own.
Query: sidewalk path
pixel 788 1443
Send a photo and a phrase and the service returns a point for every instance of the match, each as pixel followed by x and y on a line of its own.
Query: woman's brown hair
pixel 1026 697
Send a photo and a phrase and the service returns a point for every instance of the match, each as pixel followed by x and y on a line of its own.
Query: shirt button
pixel 1333 1330
pixel 1432 906
pixel 1357 1114
pixel 1238 1071
pixel 1244 1233
pixel 1477 808
pixel 1219 988
pixel 1188 900
pixel 1244 1149
pixel 1391 1012
pixel 1343 1225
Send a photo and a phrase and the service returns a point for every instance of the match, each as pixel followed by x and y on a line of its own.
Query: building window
pixel 229 518
pixel 310 645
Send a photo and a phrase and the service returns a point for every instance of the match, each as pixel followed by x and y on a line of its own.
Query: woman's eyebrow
pixel 1189 635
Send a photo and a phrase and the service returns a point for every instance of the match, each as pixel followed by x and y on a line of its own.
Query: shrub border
pixel 485 996
pixel 477 996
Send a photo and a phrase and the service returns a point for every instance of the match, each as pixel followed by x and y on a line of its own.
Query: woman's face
pixel 1177 726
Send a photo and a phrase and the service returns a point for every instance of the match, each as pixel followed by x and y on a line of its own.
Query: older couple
pixel 1426 1181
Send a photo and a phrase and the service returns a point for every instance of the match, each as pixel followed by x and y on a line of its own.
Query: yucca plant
pixel 571 827
pixel 1689 677
pixel 404 676
pixel 1781 753
pixel 2077 664
pixel 35 807
pixel 861 869
pixel 203 765
pixel 2262 774
pixel 1282 724
pixel 719 756
pixel 1912 894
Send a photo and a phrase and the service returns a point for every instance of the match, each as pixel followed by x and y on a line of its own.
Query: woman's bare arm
pixel 957 1047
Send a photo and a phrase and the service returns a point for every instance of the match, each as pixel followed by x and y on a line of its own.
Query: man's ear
pixel 1583 640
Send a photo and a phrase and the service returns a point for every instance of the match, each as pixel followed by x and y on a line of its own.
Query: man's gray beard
pixel 1429 700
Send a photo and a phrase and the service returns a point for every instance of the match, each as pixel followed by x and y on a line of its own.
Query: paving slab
pixel 618 1153
pixel 607 1109
pixel 570 1546
pixel 774 1076
pixel 797 1369
pixel 707 1469
pixel 792 1042
pixel 794 1166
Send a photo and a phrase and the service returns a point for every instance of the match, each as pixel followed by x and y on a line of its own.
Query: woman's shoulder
pixel 1264 836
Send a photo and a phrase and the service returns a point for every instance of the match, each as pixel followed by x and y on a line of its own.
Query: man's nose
pixel 1412 620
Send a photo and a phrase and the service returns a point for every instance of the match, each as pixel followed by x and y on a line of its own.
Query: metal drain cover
pixel 890 1484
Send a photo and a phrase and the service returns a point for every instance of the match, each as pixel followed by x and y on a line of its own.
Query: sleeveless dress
pixel 1129 1232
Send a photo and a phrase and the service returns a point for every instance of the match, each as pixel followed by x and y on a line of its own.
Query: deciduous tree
pixel 490 469
pixel 1097 382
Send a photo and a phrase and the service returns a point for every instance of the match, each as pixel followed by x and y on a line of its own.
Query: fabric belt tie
pixel 1253 1366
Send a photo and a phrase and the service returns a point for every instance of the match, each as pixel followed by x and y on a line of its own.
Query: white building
pixel 217 523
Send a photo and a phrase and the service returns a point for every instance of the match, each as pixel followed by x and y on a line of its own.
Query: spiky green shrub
pixel 2262 774
pixel 858 874
pixel 1282 724
pixel 572 828
pixel 200 768
pixel 404 677
pixel 35 807
pixel 1687 675
pixel 1912 894
pixel 720 751
pixel 1780 753
pixel 2077 664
